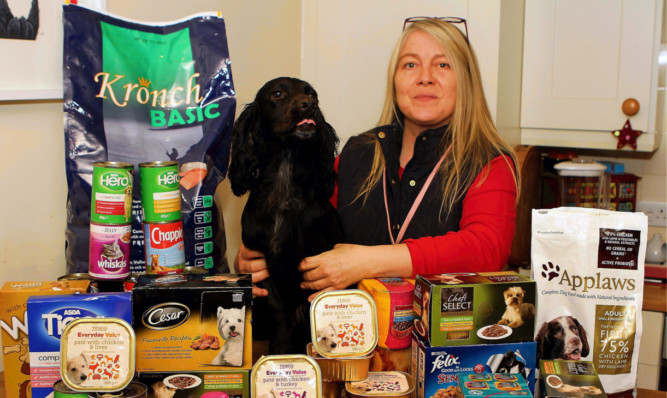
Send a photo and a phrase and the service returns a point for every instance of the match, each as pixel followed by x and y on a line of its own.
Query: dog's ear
pixel 541 339
pixel 585 349
pixel 220 311
pixel 247 150
pixel 325 158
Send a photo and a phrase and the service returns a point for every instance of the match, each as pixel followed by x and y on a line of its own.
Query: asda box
pixel 474 308
pixel 213 384
pixel 192 322
pixel 561 378
pixel 436 369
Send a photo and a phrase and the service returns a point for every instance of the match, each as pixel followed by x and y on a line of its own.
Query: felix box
pixel 14 322
pixel 496 385
pixel 193 322
pixel 560 378
pixel 436 369
pixel 214 384
pixel 474 308
pixel 47 318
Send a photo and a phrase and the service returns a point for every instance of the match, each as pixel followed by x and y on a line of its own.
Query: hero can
pixel 111 197
pixel 160 193
pixel 164 247
pixel 109 251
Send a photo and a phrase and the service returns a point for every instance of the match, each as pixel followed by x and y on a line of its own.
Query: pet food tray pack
pixel 192 322
pixel 559 378
pixel 233 383
pixel 496 385
pixel 48 317
pixel 474 308
pixel 14 330
pixel 436 369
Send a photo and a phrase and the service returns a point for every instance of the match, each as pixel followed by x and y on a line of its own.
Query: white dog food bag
pixel 589 268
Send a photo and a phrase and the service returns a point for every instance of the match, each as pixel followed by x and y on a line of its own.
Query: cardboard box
pixel 14 322
pixel 234 383
pixel 560 378
pixel 474 308
pixel 47 318
pixel 496 385
pixel 193 322
pixel 436 369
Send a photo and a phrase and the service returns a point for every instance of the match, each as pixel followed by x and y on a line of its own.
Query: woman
pixel 433 188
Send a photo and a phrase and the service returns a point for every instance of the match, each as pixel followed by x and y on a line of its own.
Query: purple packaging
pixel 47 318
pixel 436 369
pixel 109 252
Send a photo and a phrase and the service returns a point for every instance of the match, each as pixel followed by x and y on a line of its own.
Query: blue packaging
pixel 47 318
pixel 436 369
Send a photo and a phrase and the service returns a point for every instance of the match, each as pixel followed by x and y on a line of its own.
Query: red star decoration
pixel 627 136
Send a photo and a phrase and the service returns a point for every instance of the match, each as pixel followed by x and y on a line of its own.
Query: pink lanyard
pixel 415 204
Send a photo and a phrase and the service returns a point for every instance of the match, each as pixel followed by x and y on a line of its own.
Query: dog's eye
pixel 277 94
pixel 227 321
pixel 239 320
pixel 73 369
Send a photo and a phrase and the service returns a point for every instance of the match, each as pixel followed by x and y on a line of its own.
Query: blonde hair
pixel 475 140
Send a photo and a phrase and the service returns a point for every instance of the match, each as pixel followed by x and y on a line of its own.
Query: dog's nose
pixel 307 104
pixel 83 377
pixel 232 328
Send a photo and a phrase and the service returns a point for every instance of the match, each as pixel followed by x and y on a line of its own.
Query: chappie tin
pixel 164 247
pixel 160 193
pixel 111 195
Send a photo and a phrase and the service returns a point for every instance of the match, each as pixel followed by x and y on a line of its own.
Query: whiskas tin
pixel 285 376
pixel 97 354
pixel 164 247
pixel 344 323
pixel 160 193
pixel 109 251
pixel 111 196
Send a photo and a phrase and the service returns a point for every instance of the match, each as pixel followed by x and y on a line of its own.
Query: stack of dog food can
pixel 163 225
pixel 344 335
pixel 110 221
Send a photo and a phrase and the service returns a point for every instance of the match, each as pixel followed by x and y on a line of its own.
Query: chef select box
pixel 474 308
pixel 233 383
pixel 176 317
pixel 436 369
pixel 47 318
pixel 566 378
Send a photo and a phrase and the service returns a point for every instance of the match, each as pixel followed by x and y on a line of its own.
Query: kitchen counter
pixel 655 297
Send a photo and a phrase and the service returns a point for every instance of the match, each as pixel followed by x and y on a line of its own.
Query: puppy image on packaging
pixel 517 312
pixel 77 369
pixel 231 323
pixel 326 338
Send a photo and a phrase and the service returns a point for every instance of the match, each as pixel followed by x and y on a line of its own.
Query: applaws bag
pixel 589 268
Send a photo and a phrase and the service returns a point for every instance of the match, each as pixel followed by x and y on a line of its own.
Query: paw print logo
pixel 550 271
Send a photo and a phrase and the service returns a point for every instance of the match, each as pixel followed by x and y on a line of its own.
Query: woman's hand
pixel 347 264
pixel 252 262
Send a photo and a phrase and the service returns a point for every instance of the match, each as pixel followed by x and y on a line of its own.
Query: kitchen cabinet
pixel 581 60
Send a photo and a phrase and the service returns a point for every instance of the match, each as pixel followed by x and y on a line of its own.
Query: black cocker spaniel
pixel 283 152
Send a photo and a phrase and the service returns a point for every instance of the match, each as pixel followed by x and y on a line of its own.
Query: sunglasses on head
pixel 446 19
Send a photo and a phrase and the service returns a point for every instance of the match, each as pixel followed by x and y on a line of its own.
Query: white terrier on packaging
pixel 231 323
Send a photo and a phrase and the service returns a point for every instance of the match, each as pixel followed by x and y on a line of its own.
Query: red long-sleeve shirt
pixel 487 225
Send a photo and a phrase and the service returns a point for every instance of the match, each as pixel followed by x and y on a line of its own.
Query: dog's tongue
pixel 575 356
pixel 233 334
pixel 306 121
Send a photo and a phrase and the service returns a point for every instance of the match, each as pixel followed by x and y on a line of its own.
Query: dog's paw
pixel 551 271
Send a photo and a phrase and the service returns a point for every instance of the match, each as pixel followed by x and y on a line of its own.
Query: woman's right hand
pixel 252 262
